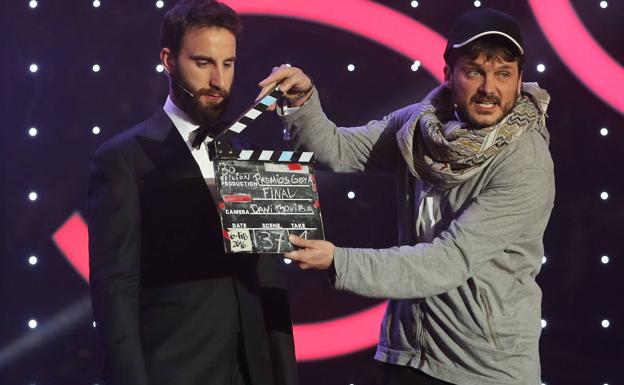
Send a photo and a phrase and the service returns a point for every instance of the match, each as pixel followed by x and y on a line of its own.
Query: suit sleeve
pixel 113 213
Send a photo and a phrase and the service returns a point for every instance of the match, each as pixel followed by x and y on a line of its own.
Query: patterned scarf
pixel 447 154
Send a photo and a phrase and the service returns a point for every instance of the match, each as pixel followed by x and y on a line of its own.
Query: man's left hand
pixel 314 254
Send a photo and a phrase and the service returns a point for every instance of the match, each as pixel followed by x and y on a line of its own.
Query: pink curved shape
pixel 72 239
pixel 367 19
pixel 579 51
pixel 337 337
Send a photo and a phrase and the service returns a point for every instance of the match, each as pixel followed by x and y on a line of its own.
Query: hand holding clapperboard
pixel 264 196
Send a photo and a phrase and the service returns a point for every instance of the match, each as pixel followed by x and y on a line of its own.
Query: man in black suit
pixel 171 308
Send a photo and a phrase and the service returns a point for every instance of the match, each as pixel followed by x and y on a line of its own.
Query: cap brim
pixel 475 37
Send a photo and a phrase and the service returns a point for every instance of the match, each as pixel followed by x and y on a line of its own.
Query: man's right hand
pixel 294 83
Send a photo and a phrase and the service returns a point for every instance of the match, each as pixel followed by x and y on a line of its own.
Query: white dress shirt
pixel 185 127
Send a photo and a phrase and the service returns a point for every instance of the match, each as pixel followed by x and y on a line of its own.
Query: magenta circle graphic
pixel 340 336
pixel 398 32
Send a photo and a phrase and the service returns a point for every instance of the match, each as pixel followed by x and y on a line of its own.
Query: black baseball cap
pixel 472 25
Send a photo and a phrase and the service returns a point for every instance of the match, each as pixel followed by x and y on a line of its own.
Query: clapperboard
pixel 264 196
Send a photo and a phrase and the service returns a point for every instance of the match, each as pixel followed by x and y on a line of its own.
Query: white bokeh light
pixel 32 323
pixel 414 4
pixel 604 259
pixel 94 324
pixel 160 68
pixel 287 261
pixel 33 68
pixel 415 65
pixel 544 259
pixel 96 68
pixel 351 68
pixel 32 131
pixel 604 195
pixel 32 260
pixel 33 4
pixel 604 131
pixel 160 4
pixel 541 68
pixel 544 323
pixel 96 3
pixel 351 195
pixel 605 323
pixel 96 130
pixel 604 4
pixel 477 3
pixel 33 196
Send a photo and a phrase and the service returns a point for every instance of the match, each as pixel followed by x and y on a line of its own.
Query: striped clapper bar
pixel 264 196
pixel 254 111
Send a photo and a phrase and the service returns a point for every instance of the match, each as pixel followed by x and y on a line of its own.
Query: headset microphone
pixel 179 85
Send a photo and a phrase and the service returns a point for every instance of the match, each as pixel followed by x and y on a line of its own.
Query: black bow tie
pixel 210 129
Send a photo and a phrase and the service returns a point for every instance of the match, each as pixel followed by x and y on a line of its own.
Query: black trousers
pixel 240 370
pixel 405 375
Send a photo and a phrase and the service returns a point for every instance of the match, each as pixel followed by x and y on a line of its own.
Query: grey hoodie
pixel 465 307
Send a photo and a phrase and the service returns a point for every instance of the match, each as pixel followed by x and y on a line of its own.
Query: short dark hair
pixel 189 14
pixel 492 46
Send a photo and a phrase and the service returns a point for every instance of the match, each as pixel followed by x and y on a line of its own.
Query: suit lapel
pixel 165 147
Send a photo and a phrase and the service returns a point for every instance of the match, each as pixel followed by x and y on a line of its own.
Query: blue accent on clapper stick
pixel 268 100
pixel 285 157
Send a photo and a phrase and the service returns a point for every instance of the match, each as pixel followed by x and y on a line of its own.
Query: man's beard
pixel 484 97
pixel 203 115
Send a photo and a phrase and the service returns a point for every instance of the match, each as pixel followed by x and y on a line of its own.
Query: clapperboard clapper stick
pixel 264 196
pixel 253 112
pixel 219 147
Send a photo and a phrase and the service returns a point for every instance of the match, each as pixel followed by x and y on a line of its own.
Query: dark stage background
pixel 49 114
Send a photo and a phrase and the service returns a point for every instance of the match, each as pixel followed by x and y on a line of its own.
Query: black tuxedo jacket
pixel 170 306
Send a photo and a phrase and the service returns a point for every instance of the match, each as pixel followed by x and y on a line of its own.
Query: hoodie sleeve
pixel 372 146
pixel 511 212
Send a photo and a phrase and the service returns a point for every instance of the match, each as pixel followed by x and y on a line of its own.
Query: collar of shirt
pixel 185 127
pixel 182 122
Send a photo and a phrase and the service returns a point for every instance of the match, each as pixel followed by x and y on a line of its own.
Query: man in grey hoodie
pixel 476 188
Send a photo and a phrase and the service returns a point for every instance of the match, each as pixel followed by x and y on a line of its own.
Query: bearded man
pixel 170 306
pixel 476 188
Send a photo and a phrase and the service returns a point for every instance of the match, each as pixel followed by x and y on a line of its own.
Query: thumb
pixel 301 242
pixel 264 91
